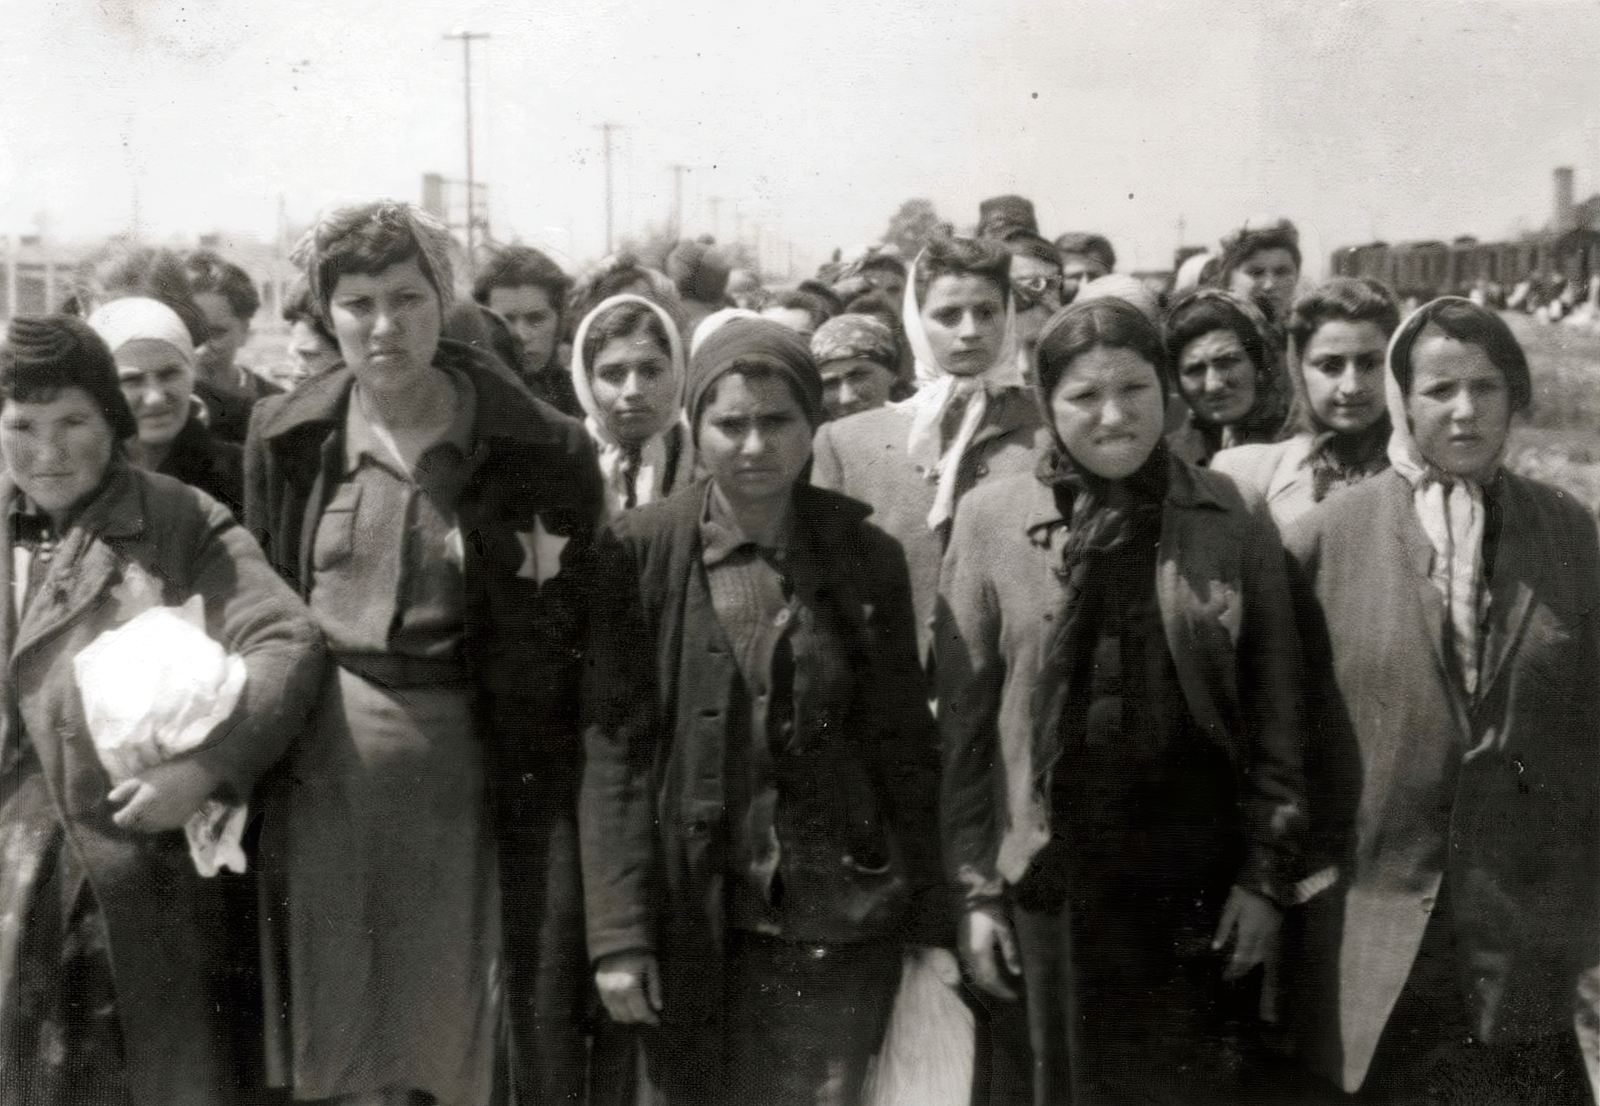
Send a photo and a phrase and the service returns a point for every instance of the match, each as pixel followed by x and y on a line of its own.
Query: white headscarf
pixel 1451 511
pixel 137 317
pixel 938 388
pixel 647 484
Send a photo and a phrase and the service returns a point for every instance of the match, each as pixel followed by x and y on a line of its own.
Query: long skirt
pixel 381 912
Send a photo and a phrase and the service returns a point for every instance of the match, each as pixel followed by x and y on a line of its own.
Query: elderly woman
pixel 156 367
pixel 435 518
pixel 759 836
pixel 1227 355
pixel 627 372
pixel 1455 787
pixel 858 357
pixel 1263 260
pixel 1338 429
pixel 1118 680
pixel 113 952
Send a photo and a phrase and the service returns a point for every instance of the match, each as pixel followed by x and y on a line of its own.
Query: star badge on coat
pixel 541 552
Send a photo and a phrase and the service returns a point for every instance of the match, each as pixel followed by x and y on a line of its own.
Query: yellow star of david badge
pixel 541 552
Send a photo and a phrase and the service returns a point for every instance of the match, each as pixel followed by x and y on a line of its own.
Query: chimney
pixel 1564 206
pixel 433 194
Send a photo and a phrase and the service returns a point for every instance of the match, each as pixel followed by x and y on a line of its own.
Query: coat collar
pixel 503 402
pixel 1187 487
pixel 85 562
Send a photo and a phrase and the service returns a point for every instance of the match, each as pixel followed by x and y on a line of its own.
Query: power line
pixel 467 38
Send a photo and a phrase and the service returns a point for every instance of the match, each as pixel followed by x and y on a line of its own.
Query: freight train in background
pixel 1549 271
pixel 1534 272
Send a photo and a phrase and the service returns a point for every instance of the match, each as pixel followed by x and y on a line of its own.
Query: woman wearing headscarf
pixel 971 419
pixel 758 809
pixel 1450 609
pixel 1227 358
pixel 113 950
pixel 1119 702
pixel 156 367
pixel 628 370
pixel 437 519
pixel 1338 428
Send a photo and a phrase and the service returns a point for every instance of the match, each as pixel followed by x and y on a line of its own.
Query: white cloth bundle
pixel 153 689
pixel 927 1054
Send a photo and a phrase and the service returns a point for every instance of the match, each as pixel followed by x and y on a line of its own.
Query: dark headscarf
pixel 745 342
pixel 1104 518
pixel 45 353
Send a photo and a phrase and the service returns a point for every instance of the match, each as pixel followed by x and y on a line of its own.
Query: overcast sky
pixel 814 118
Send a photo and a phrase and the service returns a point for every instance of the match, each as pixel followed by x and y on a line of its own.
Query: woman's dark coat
pixel 663 681
pixel 166 945
pixel 206 461
pixel 1412 786
pixel 527 516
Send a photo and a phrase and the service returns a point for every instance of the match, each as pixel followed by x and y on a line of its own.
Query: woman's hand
pixel 982 930
pixel 630 986
pixel 1251 922
pixel 163 797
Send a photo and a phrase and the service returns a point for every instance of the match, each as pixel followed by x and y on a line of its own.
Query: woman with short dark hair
pixel 437 520
pixel 1449 609
pixel 1337 433
pixel 117 956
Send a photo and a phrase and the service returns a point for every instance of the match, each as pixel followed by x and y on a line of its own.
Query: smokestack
pixel 1564 203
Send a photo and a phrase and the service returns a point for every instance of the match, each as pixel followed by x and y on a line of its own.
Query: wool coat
pixel 865 457
pixel 527 516
pixel 1224 601
pixel 1414 785
pixel 1278 471
pixel 166 949
pixel 652 817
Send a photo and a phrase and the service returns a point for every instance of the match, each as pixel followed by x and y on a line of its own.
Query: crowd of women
pixel 646 681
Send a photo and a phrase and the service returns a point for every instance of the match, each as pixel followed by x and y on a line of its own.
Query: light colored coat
pixel 1276 471
pixel 865 457
pixel 1412 784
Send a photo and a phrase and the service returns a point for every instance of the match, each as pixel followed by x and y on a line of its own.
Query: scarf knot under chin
pixel 1102 517
pixel 1339 460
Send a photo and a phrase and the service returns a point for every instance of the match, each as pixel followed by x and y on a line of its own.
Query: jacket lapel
pixel 1511 587
pixel 1418 559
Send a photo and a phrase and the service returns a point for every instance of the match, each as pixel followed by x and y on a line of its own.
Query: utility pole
pixel 467 38
pixel 716 216
pixel 606 129
pixel 677 199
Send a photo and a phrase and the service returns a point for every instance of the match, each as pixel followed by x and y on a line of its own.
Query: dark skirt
pixel 1126 1000
pixel 60 1036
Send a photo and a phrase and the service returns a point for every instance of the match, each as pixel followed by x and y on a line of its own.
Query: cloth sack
pixel 927 1053
pixel 153 689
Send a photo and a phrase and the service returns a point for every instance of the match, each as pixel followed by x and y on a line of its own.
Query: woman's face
pixel 533 319
pixel 754 438
pixel 964 317
pixel 854 384
pixel 387 324
pixel 1108 410
pixel 309 351
pixel 1217 377
pixel 228 335
pixel 1343 371
pixel 57 451
pixel 634 387
pixel 157 382
pixel 1459 405
pixel 1270 272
